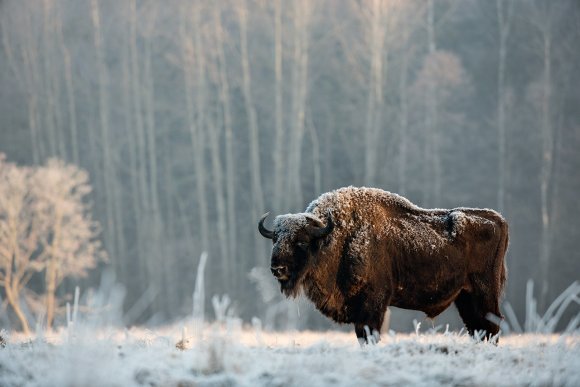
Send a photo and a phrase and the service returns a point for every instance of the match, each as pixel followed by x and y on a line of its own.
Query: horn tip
pixel 263 230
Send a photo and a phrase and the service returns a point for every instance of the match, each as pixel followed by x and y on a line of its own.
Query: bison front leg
pixel 369 332
pixel 366 335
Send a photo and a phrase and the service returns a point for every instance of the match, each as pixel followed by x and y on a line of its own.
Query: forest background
pixel 193 118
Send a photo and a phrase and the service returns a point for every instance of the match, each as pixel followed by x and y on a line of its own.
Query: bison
pixel 355 251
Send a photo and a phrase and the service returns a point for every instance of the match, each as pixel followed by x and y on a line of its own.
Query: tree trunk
pixel 198 128
pixel 105 134
pixel 142 197
pixel 155 225
pixel 224 92
pixel 168 250
pixel 299 93
pixel 504 20
pixel 49 97
pixel 403 123
pixel 32 64
pixel 24 74
pixel 74 142
pixel 55 80
pixel 279 150
pixel 255 167
pixel 14 301
pixel 433 166
pixel 126 94
pixel 546 169
pixel 12 285
pixel 315 156
pixel 375 98
pixel 52 267
pixel 51 284
pixel 214 132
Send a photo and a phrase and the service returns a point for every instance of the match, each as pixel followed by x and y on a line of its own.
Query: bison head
pixel 296 238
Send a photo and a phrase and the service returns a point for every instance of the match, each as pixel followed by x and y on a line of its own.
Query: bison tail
pixel 500 255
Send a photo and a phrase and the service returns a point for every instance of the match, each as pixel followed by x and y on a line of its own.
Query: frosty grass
pixel 223 355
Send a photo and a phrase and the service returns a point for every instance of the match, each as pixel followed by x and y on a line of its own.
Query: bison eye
pixel 303 245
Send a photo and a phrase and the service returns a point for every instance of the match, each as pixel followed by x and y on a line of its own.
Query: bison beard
pixel 355 251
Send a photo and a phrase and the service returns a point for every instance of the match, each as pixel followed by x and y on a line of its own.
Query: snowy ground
pixel 249 357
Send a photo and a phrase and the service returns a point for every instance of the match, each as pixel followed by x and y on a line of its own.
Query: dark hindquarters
pixel 482 300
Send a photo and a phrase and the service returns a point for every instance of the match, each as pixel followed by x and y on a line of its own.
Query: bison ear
pixel 317 232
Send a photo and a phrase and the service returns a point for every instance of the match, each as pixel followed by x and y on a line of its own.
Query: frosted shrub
pixel 535 322
pixel 199 298
pixel 47 228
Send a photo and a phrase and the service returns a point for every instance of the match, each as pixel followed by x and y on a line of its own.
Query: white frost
pixel 140 357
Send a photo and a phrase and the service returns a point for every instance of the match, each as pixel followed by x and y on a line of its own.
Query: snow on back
pixel 367 213
pixel 459 220
pixel 363 196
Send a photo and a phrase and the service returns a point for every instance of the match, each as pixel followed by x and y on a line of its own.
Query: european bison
pixel 355 251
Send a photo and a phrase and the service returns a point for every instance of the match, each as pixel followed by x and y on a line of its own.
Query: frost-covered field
pixel 90 352
pixel 249 357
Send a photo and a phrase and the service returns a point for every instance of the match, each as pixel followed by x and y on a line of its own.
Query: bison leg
pixel 369 333
pixel 474 309
pixel 366 335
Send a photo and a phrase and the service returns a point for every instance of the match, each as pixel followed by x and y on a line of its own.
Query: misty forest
pixel 137 135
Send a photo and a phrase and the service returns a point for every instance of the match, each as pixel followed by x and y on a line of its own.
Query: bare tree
pixel 20 230
pixel 24 64
pixel 155 227
pixel 190 48
pixel 104 113
pixel 224 93
pixel 50 125
pixel 302 16
pixel 68 242
pixel 279 150
pixel 377 17
pixel 216 161
pixel 504 19
pixel 67 62
pixel 142 195
pixel 198 134
pixel 405 23
pixel 254 138
pixel 45 225
pixel 432 161
pixel 433 168
pixel 442 73
pixel 542 18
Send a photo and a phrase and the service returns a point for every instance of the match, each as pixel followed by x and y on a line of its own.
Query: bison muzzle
pixel 355 251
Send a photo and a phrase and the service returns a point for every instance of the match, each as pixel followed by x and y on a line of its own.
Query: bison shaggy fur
pixel 355 251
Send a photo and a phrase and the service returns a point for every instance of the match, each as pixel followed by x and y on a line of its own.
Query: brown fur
pixel 385 251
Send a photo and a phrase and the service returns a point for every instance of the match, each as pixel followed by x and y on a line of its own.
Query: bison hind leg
pixel 474 310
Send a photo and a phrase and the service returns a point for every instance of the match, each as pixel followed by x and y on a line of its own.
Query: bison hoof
pixel 365 336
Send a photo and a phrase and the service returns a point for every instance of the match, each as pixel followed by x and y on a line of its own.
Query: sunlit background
pixel 138 134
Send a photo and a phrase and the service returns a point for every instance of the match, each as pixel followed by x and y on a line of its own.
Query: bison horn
pixel 320 232
pixel 263 230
